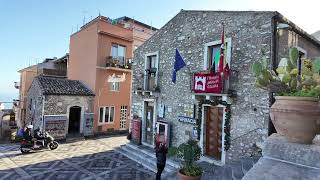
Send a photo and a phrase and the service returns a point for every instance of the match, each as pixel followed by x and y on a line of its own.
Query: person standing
pixel 161 154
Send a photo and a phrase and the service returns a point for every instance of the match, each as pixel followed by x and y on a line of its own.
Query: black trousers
pixel 160 169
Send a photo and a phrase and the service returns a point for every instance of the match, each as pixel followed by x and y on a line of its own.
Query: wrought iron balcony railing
pixel 119 62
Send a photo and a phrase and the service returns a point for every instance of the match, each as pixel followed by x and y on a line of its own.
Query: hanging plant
pixel 227 127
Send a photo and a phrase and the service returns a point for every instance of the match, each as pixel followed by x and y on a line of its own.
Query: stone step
pixel 145 159
pixel 150 157
pixel 227 173
pixel 150 152
pixel 237 172
pixel 247 164
pixel 147 165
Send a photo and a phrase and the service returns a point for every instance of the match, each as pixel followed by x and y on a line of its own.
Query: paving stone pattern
pixel 233 170
pixel 89 159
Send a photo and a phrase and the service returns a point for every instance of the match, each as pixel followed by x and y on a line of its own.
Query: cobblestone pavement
pixel 86 159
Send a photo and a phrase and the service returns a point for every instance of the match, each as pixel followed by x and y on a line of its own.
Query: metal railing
pixel 119 62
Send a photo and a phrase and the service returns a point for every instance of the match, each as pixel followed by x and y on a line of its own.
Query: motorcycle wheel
pixel 53 145
pixel 24 150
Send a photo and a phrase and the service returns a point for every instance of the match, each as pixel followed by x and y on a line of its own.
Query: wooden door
pixel 214 132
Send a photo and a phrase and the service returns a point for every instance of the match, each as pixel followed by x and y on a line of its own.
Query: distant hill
pixel 317 35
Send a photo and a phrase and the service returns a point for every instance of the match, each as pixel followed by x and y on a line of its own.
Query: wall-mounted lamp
pixel 283 26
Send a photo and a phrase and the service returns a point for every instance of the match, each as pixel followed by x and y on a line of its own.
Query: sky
pixel 32 30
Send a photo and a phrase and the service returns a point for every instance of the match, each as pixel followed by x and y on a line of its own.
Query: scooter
pixel 47 142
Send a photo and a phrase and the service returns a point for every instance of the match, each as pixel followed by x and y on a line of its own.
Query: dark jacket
pixel 161 154
pixel 27 135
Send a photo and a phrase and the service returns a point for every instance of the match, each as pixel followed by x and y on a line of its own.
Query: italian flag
pixel 222 60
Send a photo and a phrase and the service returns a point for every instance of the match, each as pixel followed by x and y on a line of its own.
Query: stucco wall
pixel 106 97
pixel 189 31
pixel 83 56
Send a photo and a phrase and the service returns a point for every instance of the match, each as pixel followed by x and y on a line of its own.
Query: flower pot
pixel 296 118
pixel 184 177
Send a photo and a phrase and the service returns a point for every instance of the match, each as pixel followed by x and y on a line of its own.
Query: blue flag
pixel 178 64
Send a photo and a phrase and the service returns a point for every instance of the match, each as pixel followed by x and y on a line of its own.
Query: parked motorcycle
pixel 47 142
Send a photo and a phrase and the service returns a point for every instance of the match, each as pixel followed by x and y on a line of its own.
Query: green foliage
pixel 294 55
pixel 189 153
pixel 316 65
pixel 191 170
pixel 257 68
pixel 304 93
pixel 288 81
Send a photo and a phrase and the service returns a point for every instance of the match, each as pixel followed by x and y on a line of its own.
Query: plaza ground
pixel 85 159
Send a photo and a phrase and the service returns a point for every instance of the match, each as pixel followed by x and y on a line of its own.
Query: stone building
pixel 230 123
pixel 49 66
pixel 7 123
pixel 60 106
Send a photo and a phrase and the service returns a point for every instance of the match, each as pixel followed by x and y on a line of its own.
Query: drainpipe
pixel 42 113
pixel 273 66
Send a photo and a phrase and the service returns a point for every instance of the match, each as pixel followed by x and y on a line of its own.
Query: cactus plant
pixel 287 80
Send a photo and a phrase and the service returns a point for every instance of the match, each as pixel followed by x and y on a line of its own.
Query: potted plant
pixel 188 153
pixel 296 111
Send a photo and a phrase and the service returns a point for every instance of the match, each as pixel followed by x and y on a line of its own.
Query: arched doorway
pixel 74 120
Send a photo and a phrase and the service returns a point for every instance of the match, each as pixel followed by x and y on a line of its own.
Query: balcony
pixel 149 85
pixel 118 62
pixel 17 85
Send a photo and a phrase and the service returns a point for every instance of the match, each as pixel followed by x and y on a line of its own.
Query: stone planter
pixel 184 177
pixel 296 118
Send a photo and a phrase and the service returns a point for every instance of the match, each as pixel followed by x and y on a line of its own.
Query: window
pixel 115 86
pixel 151 72
pixel 119 52
pixel 106 114
pixel 12 121
pixel 123 117
pixel 101 115
pixel 214 57
pixel 212 54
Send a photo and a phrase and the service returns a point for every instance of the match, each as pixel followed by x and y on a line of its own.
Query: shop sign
pixel 187 120
pixel 88 124
pixel 207 83
pixel 195 133
pixel 117 78
pixel 55 125
pixel 136 131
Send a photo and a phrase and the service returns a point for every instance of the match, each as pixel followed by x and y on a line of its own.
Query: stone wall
pixel 288 38
pixel 34 105
pixel 250 32
pixel 59 104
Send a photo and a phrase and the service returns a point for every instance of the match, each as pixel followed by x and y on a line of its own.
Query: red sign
pixel 207 83
pixel 136 131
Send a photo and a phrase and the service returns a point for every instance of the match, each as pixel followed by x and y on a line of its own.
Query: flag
pixel 226 71
pixel 178 64
pixel 213 67
pixel 217 58
pixel 222 52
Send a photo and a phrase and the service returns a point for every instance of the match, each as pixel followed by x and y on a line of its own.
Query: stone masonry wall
pixel 56 105
pixel 288 39
pixel 34 105
pixel 189 31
